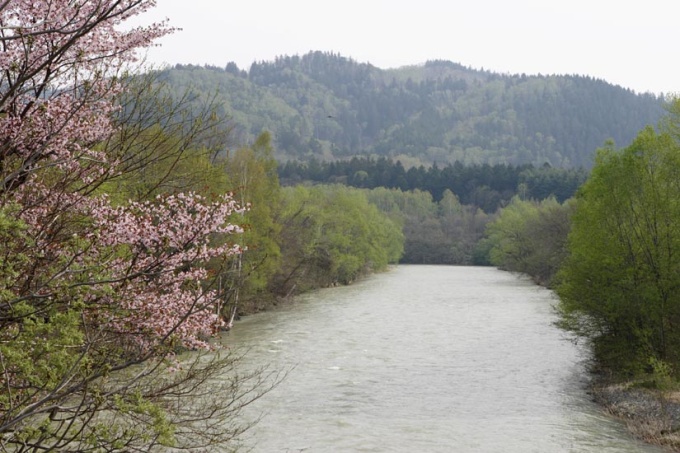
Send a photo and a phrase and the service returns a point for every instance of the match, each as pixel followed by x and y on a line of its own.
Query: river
pixel 424 359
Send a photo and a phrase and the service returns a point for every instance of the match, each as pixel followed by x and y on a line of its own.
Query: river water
pixel 424 359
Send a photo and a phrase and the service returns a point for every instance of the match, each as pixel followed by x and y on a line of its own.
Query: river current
pixel 424 359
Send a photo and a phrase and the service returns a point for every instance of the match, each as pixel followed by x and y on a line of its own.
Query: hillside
pixel 330 107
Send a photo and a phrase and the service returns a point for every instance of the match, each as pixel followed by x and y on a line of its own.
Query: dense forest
pixel 328 107
pixel 487 187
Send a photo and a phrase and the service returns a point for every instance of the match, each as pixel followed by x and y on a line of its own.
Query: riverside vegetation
pixel 612 254
pixel 128 235
pixel 133 229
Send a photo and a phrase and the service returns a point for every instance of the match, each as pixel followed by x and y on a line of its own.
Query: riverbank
pixel 650 415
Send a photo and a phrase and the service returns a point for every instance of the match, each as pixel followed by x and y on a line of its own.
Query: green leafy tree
pixel 530 237
pixel 510 236
pixel 332 235
pixel 463 227
pixel 445 233
pixel 251 173
pixel 620 285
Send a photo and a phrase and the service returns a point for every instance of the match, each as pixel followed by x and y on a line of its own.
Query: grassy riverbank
pixel 651 415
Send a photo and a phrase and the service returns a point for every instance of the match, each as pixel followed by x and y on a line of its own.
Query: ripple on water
pixel 426 359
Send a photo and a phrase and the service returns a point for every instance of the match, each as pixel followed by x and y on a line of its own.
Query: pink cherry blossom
pixel 140 269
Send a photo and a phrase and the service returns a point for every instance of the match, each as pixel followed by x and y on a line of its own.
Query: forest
pixel 329 107
pixel 485 186
pixel 611 254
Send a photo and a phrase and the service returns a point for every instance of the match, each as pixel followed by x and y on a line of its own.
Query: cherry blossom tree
pixel 98 295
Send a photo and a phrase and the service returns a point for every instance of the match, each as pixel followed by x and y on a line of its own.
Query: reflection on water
pixel 424 359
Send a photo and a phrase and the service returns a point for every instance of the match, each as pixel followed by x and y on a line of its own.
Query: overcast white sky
pixel 632 44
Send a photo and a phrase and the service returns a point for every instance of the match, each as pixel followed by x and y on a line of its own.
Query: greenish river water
pixel 425 359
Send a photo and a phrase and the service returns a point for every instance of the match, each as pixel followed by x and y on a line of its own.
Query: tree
pixel 164 141
pixel 619 287
pixel 332 235
pixel 530 237
pixel 252 173
pixel 463 227
pixel 97 294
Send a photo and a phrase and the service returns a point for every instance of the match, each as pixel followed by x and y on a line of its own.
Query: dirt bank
pixel 650 415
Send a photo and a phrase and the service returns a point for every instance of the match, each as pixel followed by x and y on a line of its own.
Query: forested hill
pixel 331 107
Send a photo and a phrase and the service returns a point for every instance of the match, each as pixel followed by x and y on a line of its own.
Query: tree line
pixel 487 187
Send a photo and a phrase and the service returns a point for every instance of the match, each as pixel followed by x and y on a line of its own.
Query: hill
pixel 329 107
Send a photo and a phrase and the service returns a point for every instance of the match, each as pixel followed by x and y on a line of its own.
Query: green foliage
pixel 446 232
pixel 251 174
pixel 43 346
pixel 530 237
pixel 12 261
pixel 662 376
pixel 169 167
pixel 619 286
pixel 327 106
pixel 330 235
pixel 484 186
pixel 137 405
pixel 509 235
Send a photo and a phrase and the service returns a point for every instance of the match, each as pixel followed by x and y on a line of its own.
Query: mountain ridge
pixel 326 106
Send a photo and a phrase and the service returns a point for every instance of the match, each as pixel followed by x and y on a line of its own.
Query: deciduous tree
pixel 530 237
pixel 620 284
pixel 97 294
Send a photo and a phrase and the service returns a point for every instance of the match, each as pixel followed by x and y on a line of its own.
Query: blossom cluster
pixel 58 75
pixel 72 34
pixel 157 252
pixel 139 268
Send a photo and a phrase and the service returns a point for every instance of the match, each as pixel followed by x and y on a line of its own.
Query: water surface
pixel 425 359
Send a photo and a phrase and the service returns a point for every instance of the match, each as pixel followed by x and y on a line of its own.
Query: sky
pixel 631 44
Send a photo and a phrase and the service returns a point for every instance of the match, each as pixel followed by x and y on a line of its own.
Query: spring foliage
pixel 91 285
pixel 620 283
pixel 530 237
